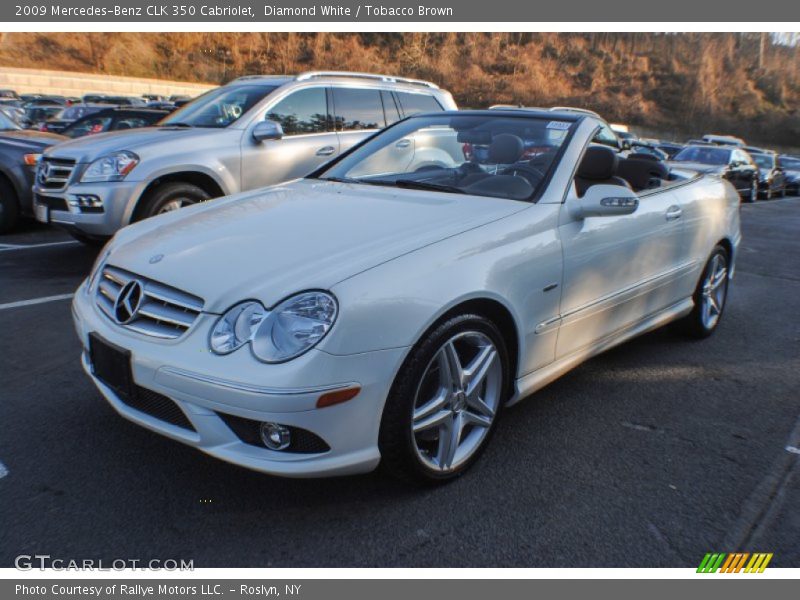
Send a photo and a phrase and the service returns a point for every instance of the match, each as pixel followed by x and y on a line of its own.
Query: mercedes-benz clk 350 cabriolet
pixel 387 308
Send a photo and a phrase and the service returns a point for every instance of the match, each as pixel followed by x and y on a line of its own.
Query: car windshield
pixel 707 155
pixel 793 164
pixel 497 155
pixel 764 161
pixel 6 123
pixel 220 107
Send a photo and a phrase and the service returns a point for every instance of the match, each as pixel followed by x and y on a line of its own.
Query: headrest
pixel 505 149
pixel 599 163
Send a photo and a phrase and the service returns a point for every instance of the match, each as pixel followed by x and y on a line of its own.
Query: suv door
pixel 307 143
pixel 359 112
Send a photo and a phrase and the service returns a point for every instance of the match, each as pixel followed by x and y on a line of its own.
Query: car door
pixel 617 269
pixel 358 112
pixel 308 140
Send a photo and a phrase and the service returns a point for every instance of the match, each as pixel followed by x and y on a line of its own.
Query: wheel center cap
pixel 459 401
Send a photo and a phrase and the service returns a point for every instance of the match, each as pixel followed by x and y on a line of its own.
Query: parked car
pixel 640 147
pixel 9 94
pixel 723 140
pixel 378 311
pixel 67 116
pixel 20 150
pixel 114 119
pixel 734 164
pixel 39 111
pixel 771 178
pixel 791 169
pixel 670 148
pixel 253 132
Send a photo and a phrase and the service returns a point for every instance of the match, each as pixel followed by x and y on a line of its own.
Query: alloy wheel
pixel 715 290
pixel 175 204
pixel 456 401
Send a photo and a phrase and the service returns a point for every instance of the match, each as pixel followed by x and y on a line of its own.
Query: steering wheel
pixel 532 174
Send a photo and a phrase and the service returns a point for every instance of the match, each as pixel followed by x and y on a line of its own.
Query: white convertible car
pixel 388 307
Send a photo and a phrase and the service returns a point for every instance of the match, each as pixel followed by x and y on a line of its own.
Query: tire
pixel 9 207
pixel 413 447
pixel 88 240
pixel 699 324
pixel 168 197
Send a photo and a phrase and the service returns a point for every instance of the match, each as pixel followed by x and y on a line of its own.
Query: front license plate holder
pixel 111 365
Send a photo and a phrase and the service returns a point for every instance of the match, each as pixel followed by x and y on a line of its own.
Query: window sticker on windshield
pixel 560 125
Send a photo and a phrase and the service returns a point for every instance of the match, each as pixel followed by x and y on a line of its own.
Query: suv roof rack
pixel 372 76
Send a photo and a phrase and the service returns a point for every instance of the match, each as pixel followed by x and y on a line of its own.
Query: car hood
pixel 90 147
pixel 31 139
pixel 307 234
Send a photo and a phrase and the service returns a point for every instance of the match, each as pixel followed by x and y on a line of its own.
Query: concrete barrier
pixel 68 83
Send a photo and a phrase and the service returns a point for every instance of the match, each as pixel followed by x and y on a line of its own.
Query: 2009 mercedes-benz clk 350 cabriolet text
pixel 386 308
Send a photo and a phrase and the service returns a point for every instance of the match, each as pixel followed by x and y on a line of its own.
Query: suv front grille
pixel 160 311
pixel 54 173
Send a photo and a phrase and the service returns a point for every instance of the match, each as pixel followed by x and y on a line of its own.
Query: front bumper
pixel 205 386
pixel 117 200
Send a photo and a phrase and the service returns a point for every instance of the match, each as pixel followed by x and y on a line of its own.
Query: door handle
pixel 403 144
pixel 326 151
pixel 674 212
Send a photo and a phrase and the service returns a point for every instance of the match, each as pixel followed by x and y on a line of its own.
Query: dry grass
pixel 682 83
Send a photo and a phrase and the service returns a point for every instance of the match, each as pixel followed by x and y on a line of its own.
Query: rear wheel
pixel 169 197
pixel 709 296
pixel 443 405
pixel 9 207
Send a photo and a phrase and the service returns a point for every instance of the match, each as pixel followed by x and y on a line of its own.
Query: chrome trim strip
pixel 255 389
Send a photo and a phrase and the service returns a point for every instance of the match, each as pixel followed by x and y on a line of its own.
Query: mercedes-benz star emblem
pixel 128 302
pixel 156 258
pixel 44 171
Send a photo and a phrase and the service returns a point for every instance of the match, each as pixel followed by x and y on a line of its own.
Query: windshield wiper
pixel 427 185
pixel 179 124
pixel 341 179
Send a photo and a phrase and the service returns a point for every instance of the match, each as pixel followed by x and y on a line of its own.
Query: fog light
pixel 275 436
pixel 86 201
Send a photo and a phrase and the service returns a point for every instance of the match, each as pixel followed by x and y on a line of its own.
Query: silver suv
pixel 252 132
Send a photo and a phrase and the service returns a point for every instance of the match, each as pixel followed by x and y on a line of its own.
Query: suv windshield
pixel 764 161
pixel 707 155
pixel 220 107
pixel 793 164
pixel 499 156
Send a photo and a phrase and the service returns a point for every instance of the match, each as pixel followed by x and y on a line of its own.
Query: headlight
pixel 96 268
pixel 293 327
pixel 31 159
pixel 113 167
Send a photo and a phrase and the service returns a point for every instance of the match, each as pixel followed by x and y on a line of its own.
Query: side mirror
pixel 604 200
pixel 267 130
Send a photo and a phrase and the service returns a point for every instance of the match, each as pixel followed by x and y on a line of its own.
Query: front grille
pixel 54 173
pixel 52 202
pixel 158 406
pixel 163 311
pixel 248 430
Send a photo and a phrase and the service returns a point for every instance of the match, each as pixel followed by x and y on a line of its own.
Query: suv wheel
pixel 443 405
pixel 9 207
pixel 169 197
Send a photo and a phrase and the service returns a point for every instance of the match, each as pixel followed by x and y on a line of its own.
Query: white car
pixel 386 308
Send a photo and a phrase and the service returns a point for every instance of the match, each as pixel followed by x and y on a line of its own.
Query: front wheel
pixel 443 405
pixel 709 296
pixel 9 207
pixel 171 196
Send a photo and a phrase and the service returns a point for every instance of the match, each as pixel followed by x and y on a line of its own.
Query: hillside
pixel 673 84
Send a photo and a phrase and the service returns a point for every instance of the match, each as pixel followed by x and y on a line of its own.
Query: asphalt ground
pixel 650 455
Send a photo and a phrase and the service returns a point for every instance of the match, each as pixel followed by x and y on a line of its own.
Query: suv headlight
pixel 113 167
pixel 290 329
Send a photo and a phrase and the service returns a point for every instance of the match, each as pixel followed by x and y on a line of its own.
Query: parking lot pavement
pixel 650 455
